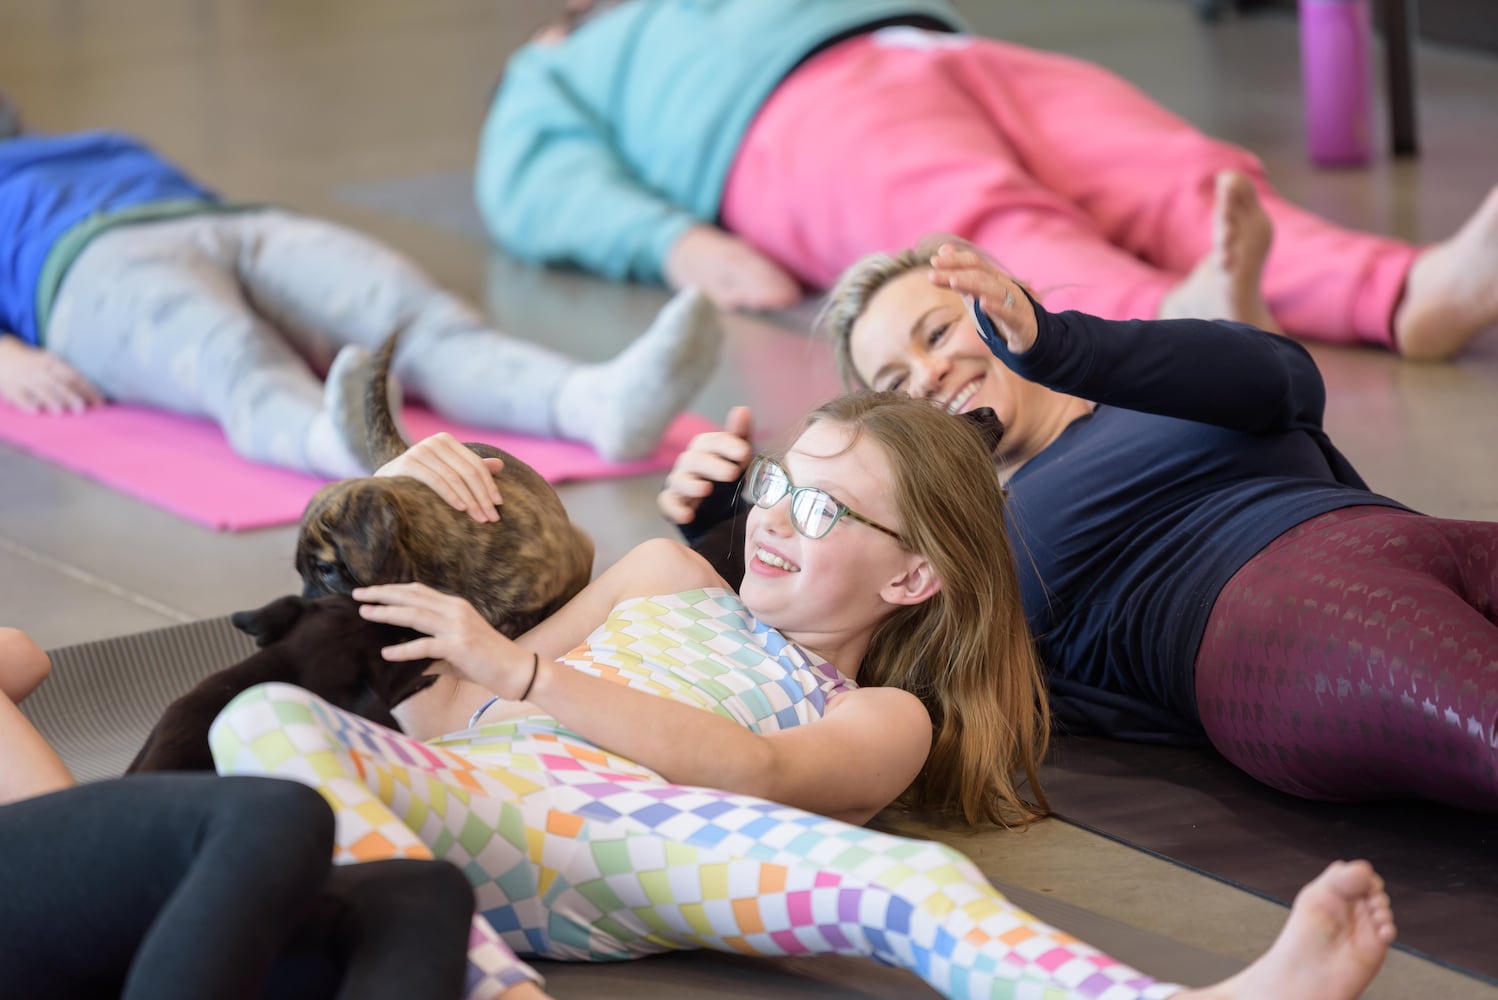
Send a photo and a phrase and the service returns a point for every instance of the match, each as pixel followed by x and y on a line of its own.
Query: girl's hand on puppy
pixel 454 472
pixel 970 273
pixel 712 457
pixel 455 632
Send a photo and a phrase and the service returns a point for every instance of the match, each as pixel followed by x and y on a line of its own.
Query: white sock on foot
pixel 623 406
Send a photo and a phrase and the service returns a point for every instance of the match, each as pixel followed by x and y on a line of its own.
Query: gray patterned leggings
pixel 232 316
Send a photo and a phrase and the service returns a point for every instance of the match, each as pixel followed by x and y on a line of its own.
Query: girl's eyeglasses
pixel 813 511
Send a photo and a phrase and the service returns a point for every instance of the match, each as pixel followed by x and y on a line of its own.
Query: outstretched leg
pixel 581 855
pixel 327 287
pixel 1354 658
pixel 153 314
pixel 383 788
pixel 1075 180
pixel 168 886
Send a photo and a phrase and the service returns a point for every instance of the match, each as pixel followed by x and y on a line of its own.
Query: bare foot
pixel 1334 943
pixel 1451 292
pixel 1225 284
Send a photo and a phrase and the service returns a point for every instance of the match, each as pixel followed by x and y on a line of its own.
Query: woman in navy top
pixel 1198 561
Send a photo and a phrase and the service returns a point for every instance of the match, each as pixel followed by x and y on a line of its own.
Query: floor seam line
pixel 93 580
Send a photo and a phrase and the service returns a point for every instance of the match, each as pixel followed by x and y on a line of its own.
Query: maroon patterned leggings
pixel 1356 657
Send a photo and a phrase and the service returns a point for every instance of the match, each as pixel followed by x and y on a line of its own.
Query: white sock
pixel 622 407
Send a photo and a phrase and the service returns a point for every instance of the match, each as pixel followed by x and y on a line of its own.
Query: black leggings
pixel 169 886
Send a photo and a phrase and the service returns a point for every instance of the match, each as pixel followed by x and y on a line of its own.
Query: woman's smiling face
pixel 921 339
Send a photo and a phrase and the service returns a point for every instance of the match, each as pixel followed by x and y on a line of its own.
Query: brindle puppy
pixel 394 529
pixel 322 645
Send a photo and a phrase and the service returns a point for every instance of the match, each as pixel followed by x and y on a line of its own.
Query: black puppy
pixel 321 645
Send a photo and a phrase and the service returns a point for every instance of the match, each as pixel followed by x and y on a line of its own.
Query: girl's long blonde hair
pixel 966 652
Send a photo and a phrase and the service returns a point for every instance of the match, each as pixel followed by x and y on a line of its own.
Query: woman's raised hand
pixel 972 274
pixel 710 458
pixel 455 632
pixel 454 471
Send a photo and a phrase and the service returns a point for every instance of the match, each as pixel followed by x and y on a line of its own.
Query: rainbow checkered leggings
pixel 578 854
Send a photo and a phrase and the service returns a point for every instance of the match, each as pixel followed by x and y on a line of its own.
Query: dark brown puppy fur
pixel 394 529
pixel 322 645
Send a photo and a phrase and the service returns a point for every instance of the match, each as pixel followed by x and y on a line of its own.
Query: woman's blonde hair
pixel 848 299
pixel 966 652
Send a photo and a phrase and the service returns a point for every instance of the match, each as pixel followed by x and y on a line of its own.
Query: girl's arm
pixel 31 766
pixel 659 566
pixel 857 760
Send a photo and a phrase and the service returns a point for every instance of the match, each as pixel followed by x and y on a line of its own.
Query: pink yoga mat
pixel 185 466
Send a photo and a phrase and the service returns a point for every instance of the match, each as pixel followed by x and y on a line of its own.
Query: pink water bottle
pixel 1336 71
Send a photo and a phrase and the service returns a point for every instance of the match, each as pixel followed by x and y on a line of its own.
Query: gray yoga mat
pixel 103 697
pixel 1192 807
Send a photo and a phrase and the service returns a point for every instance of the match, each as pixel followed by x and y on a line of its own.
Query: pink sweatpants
pixel 1071 177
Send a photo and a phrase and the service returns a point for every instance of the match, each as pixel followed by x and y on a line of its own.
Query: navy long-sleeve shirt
pixel 1205 446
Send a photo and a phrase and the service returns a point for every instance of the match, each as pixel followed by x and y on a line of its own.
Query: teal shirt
pixel 601 150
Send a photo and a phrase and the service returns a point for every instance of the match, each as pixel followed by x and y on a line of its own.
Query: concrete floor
pixel 307 104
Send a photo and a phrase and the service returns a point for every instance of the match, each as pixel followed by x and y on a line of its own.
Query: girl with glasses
pixel 668 764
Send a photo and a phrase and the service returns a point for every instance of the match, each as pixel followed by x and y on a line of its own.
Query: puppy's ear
pixel 988 425
pixel 270 623
pixel 371 539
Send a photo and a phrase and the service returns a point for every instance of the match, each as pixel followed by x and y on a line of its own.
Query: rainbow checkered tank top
pixel 704 648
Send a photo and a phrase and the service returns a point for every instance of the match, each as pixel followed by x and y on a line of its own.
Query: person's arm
pixel 31 766
pixel 552 187
pixel 658 566
pixel 1227 374
pixel 37 381
pixel 866 750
